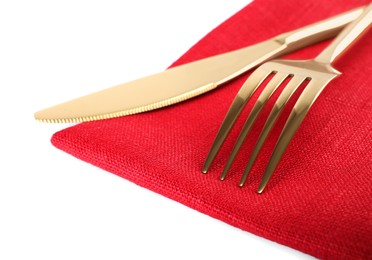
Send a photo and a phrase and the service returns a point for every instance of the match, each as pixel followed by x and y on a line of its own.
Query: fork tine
pixel 260 103
pixel 291 87
pixel 298 113
pixel 246 91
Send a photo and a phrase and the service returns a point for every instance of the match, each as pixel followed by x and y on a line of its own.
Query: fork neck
pixel 346 37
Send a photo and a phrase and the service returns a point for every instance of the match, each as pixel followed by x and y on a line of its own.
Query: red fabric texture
pixel 319 200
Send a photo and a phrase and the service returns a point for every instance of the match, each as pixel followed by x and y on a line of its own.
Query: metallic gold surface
pixel 189 80
pixel 318 71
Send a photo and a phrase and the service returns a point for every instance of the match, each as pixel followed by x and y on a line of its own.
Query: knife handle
pixel 346 37
pixel 317 32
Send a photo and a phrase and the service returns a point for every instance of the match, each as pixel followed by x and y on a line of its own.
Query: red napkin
pixel 319 200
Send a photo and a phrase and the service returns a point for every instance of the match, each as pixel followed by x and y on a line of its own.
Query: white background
pixel 53 206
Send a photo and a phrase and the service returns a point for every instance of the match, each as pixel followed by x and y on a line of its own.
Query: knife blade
pixel 189 80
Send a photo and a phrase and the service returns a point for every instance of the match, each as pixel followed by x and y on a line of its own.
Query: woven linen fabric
pixel 319 200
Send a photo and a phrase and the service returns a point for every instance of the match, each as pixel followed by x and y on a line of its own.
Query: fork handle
pixel 346 37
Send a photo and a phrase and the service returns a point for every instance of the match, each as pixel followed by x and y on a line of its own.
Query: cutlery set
pixel 190 80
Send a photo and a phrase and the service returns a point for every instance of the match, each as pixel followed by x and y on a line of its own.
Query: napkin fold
pixel 319 200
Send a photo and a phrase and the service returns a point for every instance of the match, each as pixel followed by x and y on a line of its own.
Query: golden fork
pixel 318 72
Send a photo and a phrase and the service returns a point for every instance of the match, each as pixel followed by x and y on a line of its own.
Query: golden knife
pixel 187 81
